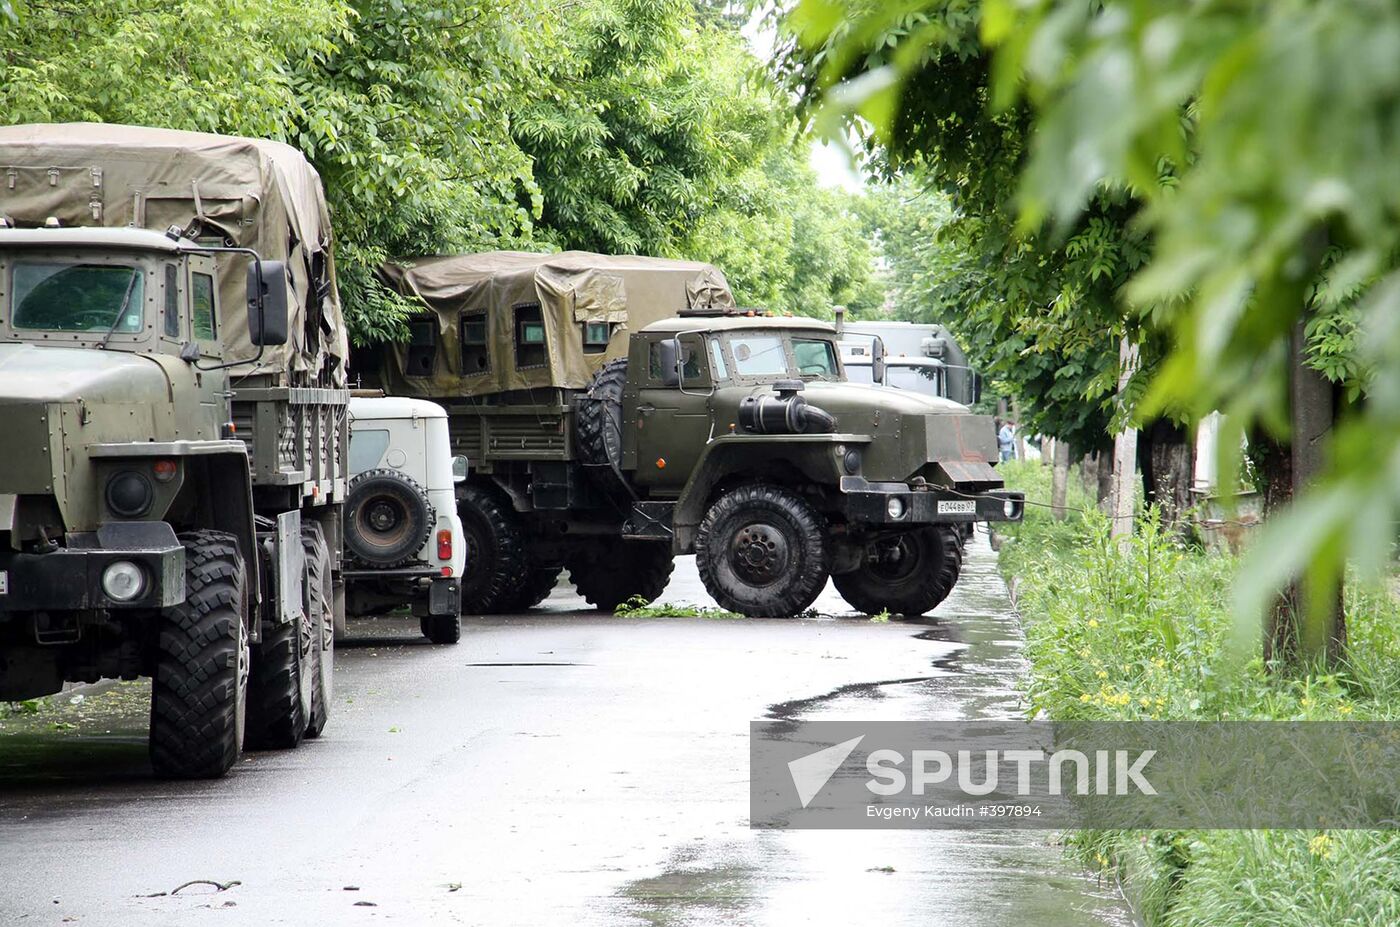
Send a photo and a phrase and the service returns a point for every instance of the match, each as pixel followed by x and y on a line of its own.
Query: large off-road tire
pixel 199 695
pixel 279 692
pixel 320 601
pixel 628 570
pixel 908 574
pixel 598 424
pixel 441 629
pixel 497 564
pixel 762 552
pixel 387 518
pixel 539 583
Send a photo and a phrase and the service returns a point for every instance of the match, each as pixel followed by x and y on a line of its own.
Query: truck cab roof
pixel 734 322
pixel 87 237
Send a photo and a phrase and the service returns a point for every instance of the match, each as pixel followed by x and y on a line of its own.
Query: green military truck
pixel 618 411
pixel 172 383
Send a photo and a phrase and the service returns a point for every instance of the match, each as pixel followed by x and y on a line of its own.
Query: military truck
pixel 172 383
pixel 925 358
pixel 619 411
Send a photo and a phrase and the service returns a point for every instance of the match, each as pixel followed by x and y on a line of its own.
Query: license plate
pixel 957 507
pixel 4 582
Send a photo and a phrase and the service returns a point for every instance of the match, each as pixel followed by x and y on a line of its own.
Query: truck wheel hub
pixel 759 553
pixel 382 517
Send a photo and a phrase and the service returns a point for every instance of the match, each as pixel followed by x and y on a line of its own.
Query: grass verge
pixel 1144 632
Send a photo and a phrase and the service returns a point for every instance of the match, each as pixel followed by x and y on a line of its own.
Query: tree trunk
pixel 1104 490
pixel 1124 452
pixel 1059 479
pixel 1167 469
pixel 1300 626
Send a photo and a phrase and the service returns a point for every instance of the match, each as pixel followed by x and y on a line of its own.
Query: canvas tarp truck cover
pixel 570 289
pixel 247 193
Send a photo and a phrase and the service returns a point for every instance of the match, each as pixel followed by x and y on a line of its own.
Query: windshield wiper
pixel 121 311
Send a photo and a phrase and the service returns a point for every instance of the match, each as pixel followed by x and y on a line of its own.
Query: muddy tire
pixel 598 425
pixel 199 694
pixel 762 552
pixel 539 583
pixel 633 569
pixel 279 691
pixel 497 565
pixel 905 575
pixel 441 629
pixel 320 601
pixel 387 518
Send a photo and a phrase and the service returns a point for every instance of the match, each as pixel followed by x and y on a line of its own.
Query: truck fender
pixel 221 468
pixel 809 457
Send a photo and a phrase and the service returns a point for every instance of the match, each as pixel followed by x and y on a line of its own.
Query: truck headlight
pixel 895 507
pixel 1009 508
pixel 123 581
pixel 129 494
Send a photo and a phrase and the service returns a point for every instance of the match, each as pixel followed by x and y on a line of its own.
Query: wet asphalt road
pixel 560 768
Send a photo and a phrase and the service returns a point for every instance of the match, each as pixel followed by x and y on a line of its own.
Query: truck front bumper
pixel 71 578
pixel 895 504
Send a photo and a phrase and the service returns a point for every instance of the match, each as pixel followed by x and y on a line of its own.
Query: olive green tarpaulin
pixel 248 193
pixel 510 289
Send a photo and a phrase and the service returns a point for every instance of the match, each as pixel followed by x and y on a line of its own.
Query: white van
pixel 403 540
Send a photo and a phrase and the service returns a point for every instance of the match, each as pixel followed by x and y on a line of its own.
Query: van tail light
pixel 444 544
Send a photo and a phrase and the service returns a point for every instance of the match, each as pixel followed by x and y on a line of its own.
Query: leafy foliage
pixel 1125 633
pixel 1254 143
pixel 1040 312
pixel 616 125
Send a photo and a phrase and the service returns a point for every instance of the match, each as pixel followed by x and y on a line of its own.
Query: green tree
pixel 1257 141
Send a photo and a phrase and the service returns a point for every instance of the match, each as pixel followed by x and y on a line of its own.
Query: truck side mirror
pixel 267 303
pixel 877 362
pixel 669 353
pixel 459 469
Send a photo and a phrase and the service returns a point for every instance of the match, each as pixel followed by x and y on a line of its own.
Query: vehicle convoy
pixel 619 411
pixel 403 539
pixel 174 401
pixel 923 358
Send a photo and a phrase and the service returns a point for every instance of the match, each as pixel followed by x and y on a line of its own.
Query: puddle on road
pixel 894 876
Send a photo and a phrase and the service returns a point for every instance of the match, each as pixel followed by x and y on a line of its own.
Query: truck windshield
pixel 859 373
pixel 920 379
pixel 77 297
pixel 759 355
pixel 815 358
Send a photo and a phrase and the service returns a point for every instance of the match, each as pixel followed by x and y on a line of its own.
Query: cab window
pixel 758 355
pixel 717 360
pixel 815 358
pixel 691 369
pixel 78 297
pixel 172 301
pixel 202 302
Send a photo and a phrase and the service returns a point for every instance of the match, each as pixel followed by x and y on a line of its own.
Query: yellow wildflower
pixel 1084 697
pixel 1102 674
pixel 1344 709
pixel 1321 846
pixel 1144 701
pixel 1093 622
pixel 1305 701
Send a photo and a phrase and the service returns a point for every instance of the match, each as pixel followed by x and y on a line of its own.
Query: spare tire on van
pixel 387 518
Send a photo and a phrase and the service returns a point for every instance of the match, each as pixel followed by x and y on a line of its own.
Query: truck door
pixel 674 422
